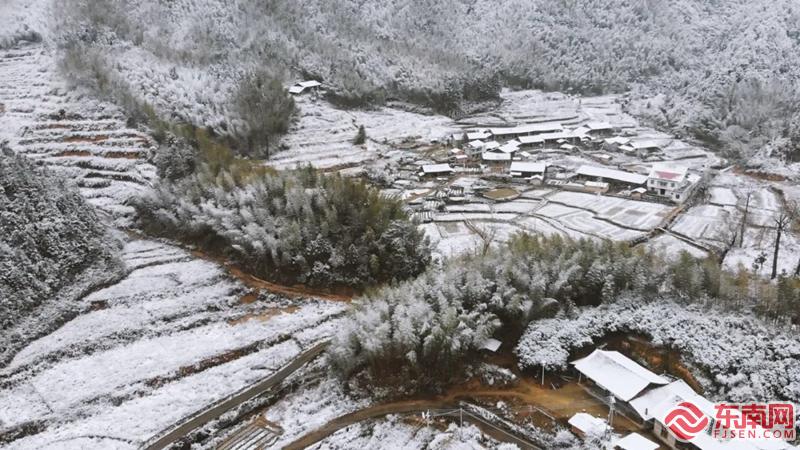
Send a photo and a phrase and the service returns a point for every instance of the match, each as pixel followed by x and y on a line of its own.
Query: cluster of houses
pixel 662 181
pixel 510 152
pixel 648 398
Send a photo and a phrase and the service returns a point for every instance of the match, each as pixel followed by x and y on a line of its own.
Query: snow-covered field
pixel 160 344
pixel 80 138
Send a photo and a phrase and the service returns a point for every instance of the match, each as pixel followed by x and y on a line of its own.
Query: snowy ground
pixel 80 138
pixel 167 340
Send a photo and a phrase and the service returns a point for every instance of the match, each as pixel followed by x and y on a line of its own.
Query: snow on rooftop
pixel 617 373
pixel 494 156
pixel 635 441
pixel 641 145
pixel 309 84
pixel 477 135
pixel 519 166
pixel 541 138
pixel 668 172
pixel 527 129
pixel 618 140
pixel 588 424
pixel 612 174
pixel 596 126
pixel 436 168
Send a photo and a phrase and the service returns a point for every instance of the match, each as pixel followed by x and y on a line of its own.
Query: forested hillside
pixel 49 238
pixel 300 226
pixel 727 70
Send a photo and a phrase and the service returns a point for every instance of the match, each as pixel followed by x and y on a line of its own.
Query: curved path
pixel 407 407
pixel 199 419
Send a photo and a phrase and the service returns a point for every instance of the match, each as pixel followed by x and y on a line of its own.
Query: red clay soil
pixel 85 139
pixel 81 153
pixel 122 155
pixel 294 291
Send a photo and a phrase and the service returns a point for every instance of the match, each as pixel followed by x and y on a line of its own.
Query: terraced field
pixel 81 138
pixel 175 334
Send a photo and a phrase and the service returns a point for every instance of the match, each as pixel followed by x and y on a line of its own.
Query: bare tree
pixel 744 217
pixel 780 224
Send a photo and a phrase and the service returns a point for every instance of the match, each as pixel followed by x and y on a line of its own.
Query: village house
pixel 525 130
pixel 559 137
pixel 436 170
pixel 649 398
pixel 616 178
pixel 599 129
pixel 646 148
pixel 528 170
pixel 496 160
pixel 671 181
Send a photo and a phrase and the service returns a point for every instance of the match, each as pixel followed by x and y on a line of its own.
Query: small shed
pixel 585 425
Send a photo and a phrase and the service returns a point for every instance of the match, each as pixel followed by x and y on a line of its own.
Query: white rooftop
pixel 309 84
pixel 477 135
pixel 617 373
pixel 595 126
pixel 668 172
pixel 436 168
pixel 612 174
pixel 658 402
pixel 496 156
pixel 527 129
pixel 296 89
pixel 635 441
pixel 588 424
pixel 619 140
pixel 541 138
pixel 646 144
pixel 519 166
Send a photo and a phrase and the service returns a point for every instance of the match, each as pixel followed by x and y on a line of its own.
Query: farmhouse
pixel 652 397
pixel 644 148
pixel 617 374
pixel 671 181
pixel 496 157
pixel 478 136
pixel 525 130
pixel 559 137
pixel 436 170
pixel 615 177
pixel 527 169
pixel 598 129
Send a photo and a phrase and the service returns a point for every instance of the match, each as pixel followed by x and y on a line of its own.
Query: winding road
pixel 171 435
pixel 409 407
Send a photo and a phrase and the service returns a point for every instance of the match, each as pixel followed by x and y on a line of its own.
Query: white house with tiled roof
pixel 670 181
